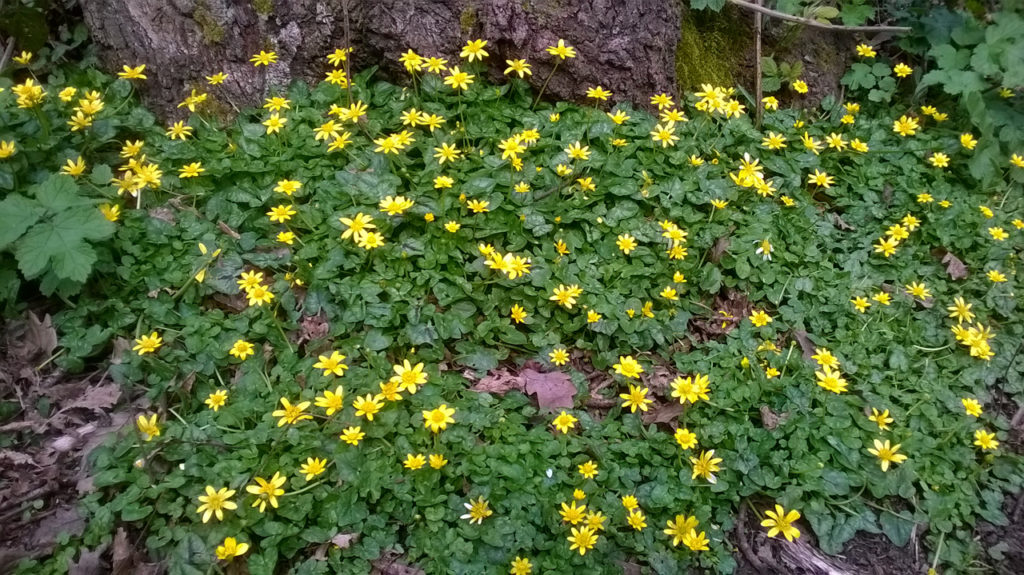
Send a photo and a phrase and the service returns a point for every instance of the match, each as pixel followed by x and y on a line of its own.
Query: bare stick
pixel 817 24
pixel 757 63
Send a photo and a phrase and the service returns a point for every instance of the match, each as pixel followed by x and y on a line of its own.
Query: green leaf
pixel 17 214
pixel 58 193
pixel 896 528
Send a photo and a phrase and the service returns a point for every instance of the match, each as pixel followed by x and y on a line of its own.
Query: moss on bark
pixel 710 48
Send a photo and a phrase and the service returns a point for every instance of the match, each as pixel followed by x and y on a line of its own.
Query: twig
pixel 743 544
pixel 757 67
pixel 8 52
pixel 817 24
pixel 34 494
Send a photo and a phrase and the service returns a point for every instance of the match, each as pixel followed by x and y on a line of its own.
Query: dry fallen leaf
pixel 500 382
pixel 805 343
pixel 954 267
pixel 344 540
pixel 554 389
pixel 666 413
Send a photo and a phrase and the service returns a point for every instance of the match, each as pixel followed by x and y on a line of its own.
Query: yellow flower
pixel 905 126
pixel 519 67
pixel 231 549
pixel 918 290
pixel 583 539
pixel 148 427
pixel 179 131
pixel 457 79
pixel 800 86
pixel 564 422
pixel 352 435
pixel 770 103
pixel 998 234
pixel 881 418
pixel 438 419
pixel 518 314
pixel 831 380
pixel 559 356
pixel 191 170
pixel 24 58
pixel 148 343
pixel 821 179
pixel 74 168
pixel 636 398
pixel 691 388
pixel 263 58
pixel 971 406
pixel 217 399
pixel 566 295
pixel 274 123
pixel 887 454
pixel 598 93
pixel 865 51
pixel 886 246
pixel 478 510
pixel 588 470
pixel 678 528
pixel 395 206
pixel 216 79
pixel 291 414
pixel 985 440
pixel 759 318
pixel 332 401
pixel 705 465
pixel 478 206
pixel 561 50
pixel 628 367
pixel 902 70
pixel 779 521
pixel 774 141
pixel 7 149
pixel 939 160
pixel 414 461
pixel 665 135
pixel 685 438
pixel 577 151
pixel 312 467
pixel 368 405
pixel 267 491
pixel 474 50
pixel 333 364
pixel 110 211
pixel 968 141
pixel 215 502
pixel 521 566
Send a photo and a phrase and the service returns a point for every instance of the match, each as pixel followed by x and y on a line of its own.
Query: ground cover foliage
pixel 818 312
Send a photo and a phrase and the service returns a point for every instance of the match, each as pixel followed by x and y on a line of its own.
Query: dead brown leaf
pixel 163 213
pixel 500 382
pixel 31 337
pixel 770 419
pixel 805 343
pixel 97 397
pixel 837 220
pixel 719 249
pixel 313 327
pixel 344 540
pixel 954 267
pixel 665 413
pixel 88 563
pixel 554 389
pixel 227 230
pixel 123 559
pixel 15 457
pixel 392 566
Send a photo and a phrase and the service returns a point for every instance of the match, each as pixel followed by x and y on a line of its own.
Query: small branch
pixel 759 92
pixel 815 23
pixel 8 52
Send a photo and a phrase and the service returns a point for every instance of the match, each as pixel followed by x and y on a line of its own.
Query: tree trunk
pixel 627 47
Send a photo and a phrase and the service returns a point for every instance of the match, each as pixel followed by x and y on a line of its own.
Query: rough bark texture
pixel 626 46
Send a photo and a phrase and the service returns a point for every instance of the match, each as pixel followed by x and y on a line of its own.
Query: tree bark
pixel 627 47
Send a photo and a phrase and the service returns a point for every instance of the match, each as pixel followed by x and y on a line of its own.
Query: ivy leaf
pixel 17 214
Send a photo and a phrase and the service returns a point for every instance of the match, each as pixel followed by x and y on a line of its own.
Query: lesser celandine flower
pixel 678 527
pixel 368 405
pixel 985 440
pixel 215 502
pixel 759 318
pixel 780 521
pixel 887 454
pixel 148 427
pixel 559 356
pixel 332 364
pixel 437 461
pixel 312 467
pixel 230 549
pixel 690 388
pixel 561 50
pixel 636 398
pixel 331 401
pixel 705 465
pixel 267 491
pixel 438 419
pixel 263 58
pixel 971 406
pixel 148 343
pixel 291 414
pixel 685 438
pixel 588 470
pixel 583 539
pixel 352 435
pixel 521 566
pixel 881 418
pixel 478 510
pixel 217 399
pixel 628 367
pixel 564 422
